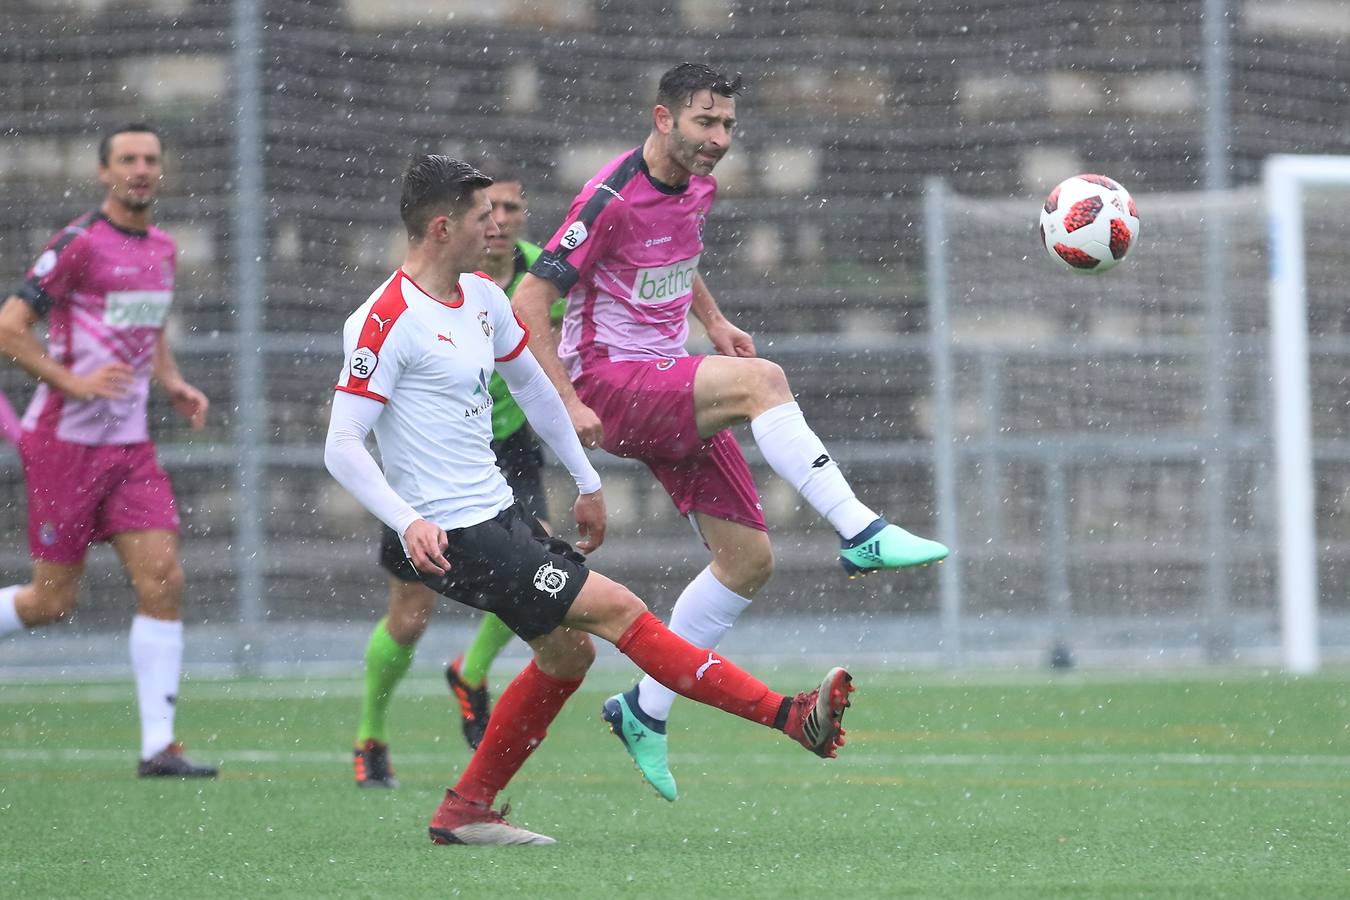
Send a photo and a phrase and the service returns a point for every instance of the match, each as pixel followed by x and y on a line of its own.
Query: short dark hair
pixel 679 85
pixel 105 143
pixel 498 170
pixel 434 184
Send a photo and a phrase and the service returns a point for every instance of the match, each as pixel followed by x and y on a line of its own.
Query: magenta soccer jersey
pixel 106 292
pixel 626 257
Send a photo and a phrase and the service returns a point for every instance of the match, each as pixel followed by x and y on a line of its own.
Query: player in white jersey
pixel 419 356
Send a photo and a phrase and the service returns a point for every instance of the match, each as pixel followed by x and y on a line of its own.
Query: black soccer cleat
pixel 371 764
pixel 170 763
pixel 475 704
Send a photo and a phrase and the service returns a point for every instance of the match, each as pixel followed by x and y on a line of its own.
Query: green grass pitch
pixel 981 785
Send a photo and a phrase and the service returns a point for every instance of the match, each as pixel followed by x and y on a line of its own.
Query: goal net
pixel 1112 437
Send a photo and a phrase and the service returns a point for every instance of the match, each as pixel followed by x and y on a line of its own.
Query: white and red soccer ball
pixel 1089 223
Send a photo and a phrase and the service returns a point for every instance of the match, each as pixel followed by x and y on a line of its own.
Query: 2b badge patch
pixel 363 362
pixel 574 236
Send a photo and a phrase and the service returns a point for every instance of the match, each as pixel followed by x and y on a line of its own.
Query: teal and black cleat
pixel 643 737
pixel 882 545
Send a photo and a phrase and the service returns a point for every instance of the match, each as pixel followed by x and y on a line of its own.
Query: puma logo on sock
pixel 712 661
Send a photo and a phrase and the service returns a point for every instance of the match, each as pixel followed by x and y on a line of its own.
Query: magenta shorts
pixel 647 409
pixel 80 494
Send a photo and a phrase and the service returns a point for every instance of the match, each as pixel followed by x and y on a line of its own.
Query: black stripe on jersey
pixel 31 291
pixel 552 265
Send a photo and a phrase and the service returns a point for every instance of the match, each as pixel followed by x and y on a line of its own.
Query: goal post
pixel 1286 177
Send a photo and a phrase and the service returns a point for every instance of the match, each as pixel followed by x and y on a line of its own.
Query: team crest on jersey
pixel 485 323
pixel 363 362
pixel 574 236
pixel 45 263
pixel 701 217
pixel 550 580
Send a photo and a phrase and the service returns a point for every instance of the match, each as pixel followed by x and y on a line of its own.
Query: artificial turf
pixel 985 785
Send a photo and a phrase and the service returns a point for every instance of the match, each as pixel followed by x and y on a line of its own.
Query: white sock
pixel 797 455
pixel 704 612
pixel 9 614
pixel 157 660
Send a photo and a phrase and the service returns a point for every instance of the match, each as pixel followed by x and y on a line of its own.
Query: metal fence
pixel 288 123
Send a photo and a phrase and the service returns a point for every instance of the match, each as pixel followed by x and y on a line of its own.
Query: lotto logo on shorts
pixel 550 580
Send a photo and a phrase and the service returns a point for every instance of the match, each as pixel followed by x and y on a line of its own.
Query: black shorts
pixel 511 567
pixel 521 460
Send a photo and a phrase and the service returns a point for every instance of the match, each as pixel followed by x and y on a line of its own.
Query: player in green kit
pixel 390 650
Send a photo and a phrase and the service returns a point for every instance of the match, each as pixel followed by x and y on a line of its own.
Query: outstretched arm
pixel 726 338
pixel 348 460
pixel 531 302
pixel 538 399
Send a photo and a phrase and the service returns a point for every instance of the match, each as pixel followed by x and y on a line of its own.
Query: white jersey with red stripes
pixel 429 362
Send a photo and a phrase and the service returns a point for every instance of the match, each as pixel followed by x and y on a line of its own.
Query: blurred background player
pixel 626 257
pixel 389 652
pixel 418 352
pixel 105 284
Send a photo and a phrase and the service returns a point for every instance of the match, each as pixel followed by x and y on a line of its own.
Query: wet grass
pixel 987 785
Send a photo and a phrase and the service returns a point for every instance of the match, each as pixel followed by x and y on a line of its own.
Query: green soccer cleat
pixel 643 737
pixel 885 546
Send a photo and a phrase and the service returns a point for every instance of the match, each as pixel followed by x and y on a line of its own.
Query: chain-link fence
pixel 816 246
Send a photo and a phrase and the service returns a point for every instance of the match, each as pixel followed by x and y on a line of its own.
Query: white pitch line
pixel 869 760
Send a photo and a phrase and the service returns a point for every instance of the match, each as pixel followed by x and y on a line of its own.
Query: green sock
pixel 492 636
pixel 386 663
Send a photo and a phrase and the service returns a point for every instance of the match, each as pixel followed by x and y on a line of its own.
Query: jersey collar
pixel 453 304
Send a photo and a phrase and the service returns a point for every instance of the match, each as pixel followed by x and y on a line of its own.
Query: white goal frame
pixel 1286 177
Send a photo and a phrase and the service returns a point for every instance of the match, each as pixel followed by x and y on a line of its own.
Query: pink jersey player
pixel 627 258
pixel 635 264
pixel 105 283
pixel 106 291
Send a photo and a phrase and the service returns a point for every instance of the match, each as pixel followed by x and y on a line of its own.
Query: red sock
pixel 517 725
pixel 700 675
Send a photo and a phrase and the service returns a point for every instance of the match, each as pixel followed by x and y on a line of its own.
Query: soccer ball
pixel 1089 223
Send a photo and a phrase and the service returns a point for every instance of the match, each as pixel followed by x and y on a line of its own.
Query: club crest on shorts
pixel 665 364
pixel 550 580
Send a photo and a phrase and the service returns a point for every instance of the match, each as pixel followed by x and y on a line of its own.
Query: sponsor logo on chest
pixel 663 284
pixel 136 309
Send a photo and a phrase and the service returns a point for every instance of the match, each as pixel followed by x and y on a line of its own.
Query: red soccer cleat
pixel 460 821
pixel 816 720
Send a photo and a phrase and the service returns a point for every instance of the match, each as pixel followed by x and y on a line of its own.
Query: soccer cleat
pixel 459 821
pixel 475 704
pixel 644 738
pixel 882 545
pixel 816 720
pixel 170 763
pixel 371 762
